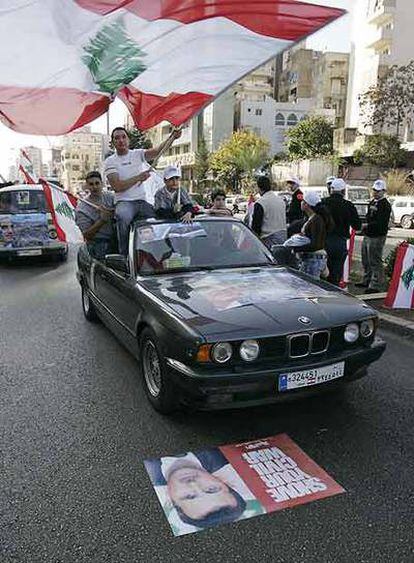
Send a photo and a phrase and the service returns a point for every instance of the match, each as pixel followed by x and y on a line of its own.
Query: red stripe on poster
pixel 49 111
pixel 149 109
pixel 284 19
pixel 279 473
pixel 396 275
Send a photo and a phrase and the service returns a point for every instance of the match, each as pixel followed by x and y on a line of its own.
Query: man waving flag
pixel 63 61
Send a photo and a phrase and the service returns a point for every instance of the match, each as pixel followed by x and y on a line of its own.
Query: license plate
pixel 309 377
pixel 34 252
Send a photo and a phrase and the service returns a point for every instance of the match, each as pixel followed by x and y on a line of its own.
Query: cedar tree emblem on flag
pixel 113 58
pixel 408 277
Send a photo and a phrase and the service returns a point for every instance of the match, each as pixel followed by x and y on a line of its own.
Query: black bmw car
pixel 214 322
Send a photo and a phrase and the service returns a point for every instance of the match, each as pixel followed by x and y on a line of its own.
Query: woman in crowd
pixel 319 222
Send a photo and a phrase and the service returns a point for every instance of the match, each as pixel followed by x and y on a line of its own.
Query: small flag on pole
pixel 401 291
pixel 348 262
pixel 26 168
pixel 62 206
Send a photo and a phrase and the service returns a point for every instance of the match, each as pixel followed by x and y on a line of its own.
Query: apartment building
pixel 381 37
pixel 82 151
pixel 323 77
pixel 271 119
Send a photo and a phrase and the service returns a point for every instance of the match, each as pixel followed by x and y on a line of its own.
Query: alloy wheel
pixel 152 368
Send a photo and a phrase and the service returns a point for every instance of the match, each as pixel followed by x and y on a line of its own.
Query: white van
pixel 403 210
pixel 26 225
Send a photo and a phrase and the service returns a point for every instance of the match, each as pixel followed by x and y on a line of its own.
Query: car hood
pixel 253 302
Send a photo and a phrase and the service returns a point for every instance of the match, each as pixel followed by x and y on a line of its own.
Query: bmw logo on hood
pixel 304 320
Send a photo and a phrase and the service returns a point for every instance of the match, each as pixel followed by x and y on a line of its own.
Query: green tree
pixel 381 150
pixel 201 165
pixel 235 162
pixel 138 139
pixel 390 103
pixel 311 138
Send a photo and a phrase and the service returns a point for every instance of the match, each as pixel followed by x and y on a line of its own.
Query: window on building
pixel 292 119
pixel 280 120
pixel 249 110
pixel 76 168
pixel 258 112
pixel 335 86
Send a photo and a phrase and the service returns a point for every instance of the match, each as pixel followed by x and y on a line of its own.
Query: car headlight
pixel 367 328
pixel 222 352
pixel 249 350
pixel 351 333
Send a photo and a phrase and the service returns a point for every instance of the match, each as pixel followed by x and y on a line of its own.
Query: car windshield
pixel 207 244
pixel 358 194
pixel 22 201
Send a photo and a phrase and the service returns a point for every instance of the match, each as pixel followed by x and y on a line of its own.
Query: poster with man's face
pixel 198 490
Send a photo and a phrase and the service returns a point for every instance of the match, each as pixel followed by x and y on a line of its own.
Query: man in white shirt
pixel 127 172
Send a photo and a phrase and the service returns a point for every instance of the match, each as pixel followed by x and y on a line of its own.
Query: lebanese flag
pixel 64 61
pixel 62 207
pixel 348 262
pixel 401 291
pixel 250 209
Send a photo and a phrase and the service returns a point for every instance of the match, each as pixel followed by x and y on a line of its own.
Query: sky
pixel 335 37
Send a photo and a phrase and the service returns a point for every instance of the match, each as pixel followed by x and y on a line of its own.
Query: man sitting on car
pixel 96 221
pixel 172 201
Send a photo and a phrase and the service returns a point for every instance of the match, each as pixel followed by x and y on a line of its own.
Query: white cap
pixel 338 185
pixel 330 179
pixel 312 198
pixel 379 186
pixel 293 180
pixel 172 172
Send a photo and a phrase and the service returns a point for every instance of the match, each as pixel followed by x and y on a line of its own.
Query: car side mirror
pixel 117 262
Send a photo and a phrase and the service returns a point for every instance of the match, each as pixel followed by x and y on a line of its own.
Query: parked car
pixel 26 225
pixel 403 211
pixel 214 322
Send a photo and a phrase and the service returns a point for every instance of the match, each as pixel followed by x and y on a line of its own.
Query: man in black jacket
pixel 375 235
pixel 345 216
pixel 295 212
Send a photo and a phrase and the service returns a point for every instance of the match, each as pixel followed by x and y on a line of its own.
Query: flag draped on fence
pixel 63 61
pixel 401 291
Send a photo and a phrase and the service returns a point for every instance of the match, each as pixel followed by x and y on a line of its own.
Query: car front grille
pixel 305 344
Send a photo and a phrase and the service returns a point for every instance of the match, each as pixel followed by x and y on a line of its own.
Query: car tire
pixel 161 392
pixel 406 222
pixel 88 307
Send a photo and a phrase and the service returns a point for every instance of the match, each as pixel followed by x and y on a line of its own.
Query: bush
pixel 397 182
pixel 391 257
pixel 381 150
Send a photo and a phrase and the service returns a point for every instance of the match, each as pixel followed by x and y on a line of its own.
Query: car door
pixel 116 292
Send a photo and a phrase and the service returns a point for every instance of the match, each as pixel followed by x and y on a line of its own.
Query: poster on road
pixel 198 490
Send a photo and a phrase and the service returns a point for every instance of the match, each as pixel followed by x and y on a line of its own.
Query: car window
pixel 22 201
pixel 165 247
pixel 358 194
pixel 401 204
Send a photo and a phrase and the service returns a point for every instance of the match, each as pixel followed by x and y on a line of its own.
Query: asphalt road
pixel 76 428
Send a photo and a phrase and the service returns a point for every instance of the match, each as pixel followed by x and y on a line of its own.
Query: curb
pixel 389 322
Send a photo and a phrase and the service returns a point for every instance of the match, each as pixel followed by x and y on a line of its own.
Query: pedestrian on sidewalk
pixel 127 171
pixel 295 212
pixel 269 215
pixel 313 255
pixel 375 235
pixel 345 216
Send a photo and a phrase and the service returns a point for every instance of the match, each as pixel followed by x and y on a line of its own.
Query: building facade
pixel 82 151
pixel 259 84
pixel 381 37
pixel 272 120
pixel 320 76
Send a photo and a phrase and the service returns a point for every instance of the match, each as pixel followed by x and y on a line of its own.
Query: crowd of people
pixel 312 231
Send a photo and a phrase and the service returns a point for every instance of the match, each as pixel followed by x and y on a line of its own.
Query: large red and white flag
pixel 62 62
pixel 401 291
pixel 62 207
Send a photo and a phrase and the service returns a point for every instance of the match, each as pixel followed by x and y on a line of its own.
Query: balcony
pixel 381 39
pixel 382 12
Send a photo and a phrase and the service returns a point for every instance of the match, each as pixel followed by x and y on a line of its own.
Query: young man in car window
pixel 97 224
pixel 219 208
pixel 172 201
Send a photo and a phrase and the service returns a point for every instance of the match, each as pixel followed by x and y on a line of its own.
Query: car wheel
pixel 159 389
pixel 406 222
pixel 88 307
